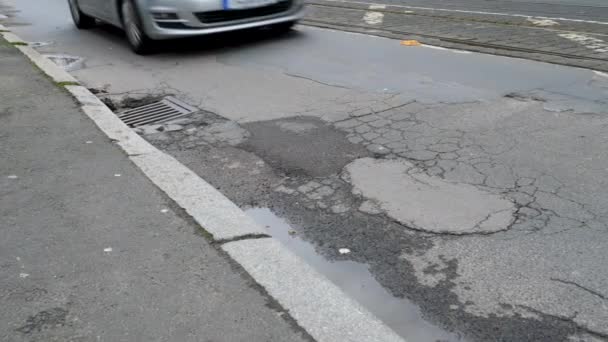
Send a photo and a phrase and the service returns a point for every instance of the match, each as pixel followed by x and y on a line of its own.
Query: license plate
pixel 243 4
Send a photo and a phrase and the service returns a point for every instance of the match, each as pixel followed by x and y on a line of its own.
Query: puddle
pixel 354 278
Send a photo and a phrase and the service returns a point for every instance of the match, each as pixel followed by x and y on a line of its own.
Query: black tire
pixel 81 20
pixel 283 27
pixel 140 43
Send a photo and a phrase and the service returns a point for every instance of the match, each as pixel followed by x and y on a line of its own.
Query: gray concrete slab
pixel 93 251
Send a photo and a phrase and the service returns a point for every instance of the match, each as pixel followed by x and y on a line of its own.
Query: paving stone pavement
pixel 575 43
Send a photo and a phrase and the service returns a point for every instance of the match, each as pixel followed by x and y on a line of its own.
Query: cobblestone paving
pixel 576 43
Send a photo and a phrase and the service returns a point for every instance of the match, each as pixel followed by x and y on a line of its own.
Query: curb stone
pixel 318 306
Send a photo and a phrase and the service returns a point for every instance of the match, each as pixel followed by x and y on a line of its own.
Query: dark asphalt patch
pixel 51 318
pixel 302 146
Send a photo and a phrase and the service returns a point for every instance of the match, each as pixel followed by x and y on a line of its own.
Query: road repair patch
pixel 429 203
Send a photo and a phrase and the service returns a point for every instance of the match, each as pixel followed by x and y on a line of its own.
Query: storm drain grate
pixel 164 110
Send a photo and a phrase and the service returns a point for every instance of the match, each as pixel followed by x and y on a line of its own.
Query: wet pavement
pixel 336 136
pixel 357 281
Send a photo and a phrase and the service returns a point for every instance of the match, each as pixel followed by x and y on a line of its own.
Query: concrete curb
pixel 319 306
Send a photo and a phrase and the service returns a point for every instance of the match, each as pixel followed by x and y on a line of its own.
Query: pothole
pixel 302 146
pixel 39 44
pixel 67 62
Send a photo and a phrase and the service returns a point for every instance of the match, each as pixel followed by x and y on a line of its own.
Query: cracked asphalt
pixel 361 143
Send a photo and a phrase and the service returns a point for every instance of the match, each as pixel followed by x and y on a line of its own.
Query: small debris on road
pixel 23 275
pixel 410 43
pixel 107 250
pixel 344 250
pixel 12 177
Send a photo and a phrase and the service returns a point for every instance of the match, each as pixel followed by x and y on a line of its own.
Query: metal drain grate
pixel 164 110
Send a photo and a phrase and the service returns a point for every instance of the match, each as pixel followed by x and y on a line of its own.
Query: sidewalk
pixel 90 250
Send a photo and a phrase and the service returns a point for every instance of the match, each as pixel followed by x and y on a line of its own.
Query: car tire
pixel 283 27
pixel 140 43
pixel 81 20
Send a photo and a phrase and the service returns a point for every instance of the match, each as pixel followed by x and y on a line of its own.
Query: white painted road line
pixel 479 12
pixel 445 49
pixel 591 43
pixel 373 18
pixel 376 7
pixel 542 22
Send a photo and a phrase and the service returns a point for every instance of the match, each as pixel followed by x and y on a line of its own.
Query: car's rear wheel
pixel 81 20
pixel 139 41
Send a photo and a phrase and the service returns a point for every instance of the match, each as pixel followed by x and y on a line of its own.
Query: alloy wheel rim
pixel 74 10
pixel 132 30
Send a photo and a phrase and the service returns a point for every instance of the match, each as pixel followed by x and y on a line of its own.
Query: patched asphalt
pixel 530 132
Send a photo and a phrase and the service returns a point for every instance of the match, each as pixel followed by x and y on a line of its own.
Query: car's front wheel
pixel 139 41
pixel 284 27
pixel 81 20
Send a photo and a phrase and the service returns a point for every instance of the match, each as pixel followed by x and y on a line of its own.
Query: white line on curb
pixel 318 305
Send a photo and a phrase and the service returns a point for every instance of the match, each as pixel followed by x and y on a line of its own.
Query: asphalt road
pixel 471 185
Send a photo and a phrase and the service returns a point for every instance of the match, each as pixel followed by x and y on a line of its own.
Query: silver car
pixel 145 21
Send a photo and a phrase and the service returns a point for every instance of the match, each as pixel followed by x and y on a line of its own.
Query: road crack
pixel 316 81
pixel 584 288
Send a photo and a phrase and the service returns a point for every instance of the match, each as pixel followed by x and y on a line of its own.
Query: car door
pixel 111 12
pixel 104 8
pixel 100 9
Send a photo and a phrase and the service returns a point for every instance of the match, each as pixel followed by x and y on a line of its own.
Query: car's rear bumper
pixel 189 22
